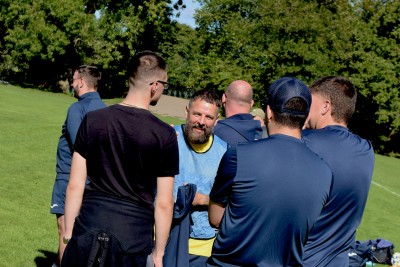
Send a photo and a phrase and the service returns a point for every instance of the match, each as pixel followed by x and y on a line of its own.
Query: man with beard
pixel 200 152
pixel 84 82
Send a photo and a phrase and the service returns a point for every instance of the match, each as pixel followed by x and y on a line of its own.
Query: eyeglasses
pixel 165 84
pixel 71 80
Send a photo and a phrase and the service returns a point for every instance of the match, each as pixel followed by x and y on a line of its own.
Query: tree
pixel 377 74
pixel 44 40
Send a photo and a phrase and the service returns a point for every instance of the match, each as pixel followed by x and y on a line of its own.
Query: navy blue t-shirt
pixel 351 159
pixel 274 190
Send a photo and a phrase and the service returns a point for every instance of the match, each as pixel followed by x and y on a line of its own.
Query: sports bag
pixel 382 251
pixel 360 254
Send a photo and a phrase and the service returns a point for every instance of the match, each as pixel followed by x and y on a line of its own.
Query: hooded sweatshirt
pixel 238 128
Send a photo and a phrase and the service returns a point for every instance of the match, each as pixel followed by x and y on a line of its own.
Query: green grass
pixel 30 125
pixel 382 218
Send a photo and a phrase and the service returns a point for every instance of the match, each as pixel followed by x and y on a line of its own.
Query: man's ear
pixel 217 119
pixel 187 111
pixel 269 114
pixel 81 82
pixel 326 108
pixel 153 87
pixel 252 103
pixel 223 100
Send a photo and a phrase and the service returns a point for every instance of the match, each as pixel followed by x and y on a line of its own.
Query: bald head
pixel 238 98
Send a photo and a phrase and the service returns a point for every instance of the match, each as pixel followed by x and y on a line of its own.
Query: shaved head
pixel 238 98
pixel 240 91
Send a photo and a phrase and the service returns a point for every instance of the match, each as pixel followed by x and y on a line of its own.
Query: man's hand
pixel 200 200
pixel 157 260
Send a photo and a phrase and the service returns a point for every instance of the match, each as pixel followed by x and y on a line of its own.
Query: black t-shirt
pixel 126 149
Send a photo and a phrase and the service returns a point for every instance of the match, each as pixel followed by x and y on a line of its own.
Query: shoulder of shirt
pixel 218 140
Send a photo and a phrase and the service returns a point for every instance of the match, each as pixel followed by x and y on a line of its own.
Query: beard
pixel 76 91
pixel 194 136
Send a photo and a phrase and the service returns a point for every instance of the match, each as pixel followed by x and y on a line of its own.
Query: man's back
pixel 86 103
pixel 125 149
pixel 238 128
pixel 239 125
pixel 351 159
pixel 270 208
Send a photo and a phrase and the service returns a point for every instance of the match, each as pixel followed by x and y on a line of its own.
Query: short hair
pixel 293 120
pixel 145 65
pixel 206 95
pixel 340 92
pixel 90 74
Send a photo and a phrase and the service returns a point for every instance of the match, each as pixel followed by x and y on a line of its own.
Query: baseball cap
pixel 283 90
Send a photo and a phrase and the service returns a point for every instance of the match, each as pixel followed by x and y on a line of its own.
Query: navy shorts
pixel 58 196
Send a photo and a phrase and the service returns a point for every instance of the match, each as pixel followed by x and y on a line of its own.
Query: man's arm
pixel 221 190
pixel 215 213
pixel 75 189
pixel 163 216
pixel 74 119
pixel 201 200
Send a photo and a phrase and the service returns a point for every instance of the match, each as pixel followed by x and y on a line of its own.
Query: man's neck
pixel 329 122
pixel 278 129
pixel 235 112
pixel 137 99
pixel 86 91
pixel 232 109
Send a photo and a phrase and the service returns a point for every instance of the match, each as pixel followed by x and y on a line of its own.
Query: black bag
pixel 382 251
pixel 360 254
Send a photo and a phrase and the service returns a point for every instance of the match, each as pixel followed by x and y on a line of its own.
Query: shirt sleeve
pixel 169 161
pixel 80 144
pixel 225 177
pixel 74 119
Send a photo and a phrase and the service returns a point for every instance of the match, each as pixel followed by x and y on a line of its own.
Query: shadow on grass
pixel 47 259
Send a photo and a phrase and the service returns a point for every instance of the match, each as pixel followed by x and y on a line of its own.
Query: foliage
pixel 43 41
pixel 378 73
pixel 129 27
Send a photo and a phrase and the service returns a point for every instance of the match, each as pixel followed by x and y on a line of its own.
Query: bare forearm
pixel 163 216
pixel 215 213
pixel 72 206
pixel 75 189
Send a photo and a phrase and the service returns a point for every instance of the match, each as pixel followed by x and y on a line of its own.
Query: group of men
pixel 231 196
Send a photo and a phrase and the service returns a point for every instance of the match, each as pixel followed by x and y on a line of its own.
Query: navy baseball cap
pixel 284 89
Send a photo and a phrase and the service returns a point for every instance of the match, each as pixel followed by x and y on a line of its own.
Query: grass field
pixel 30 125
